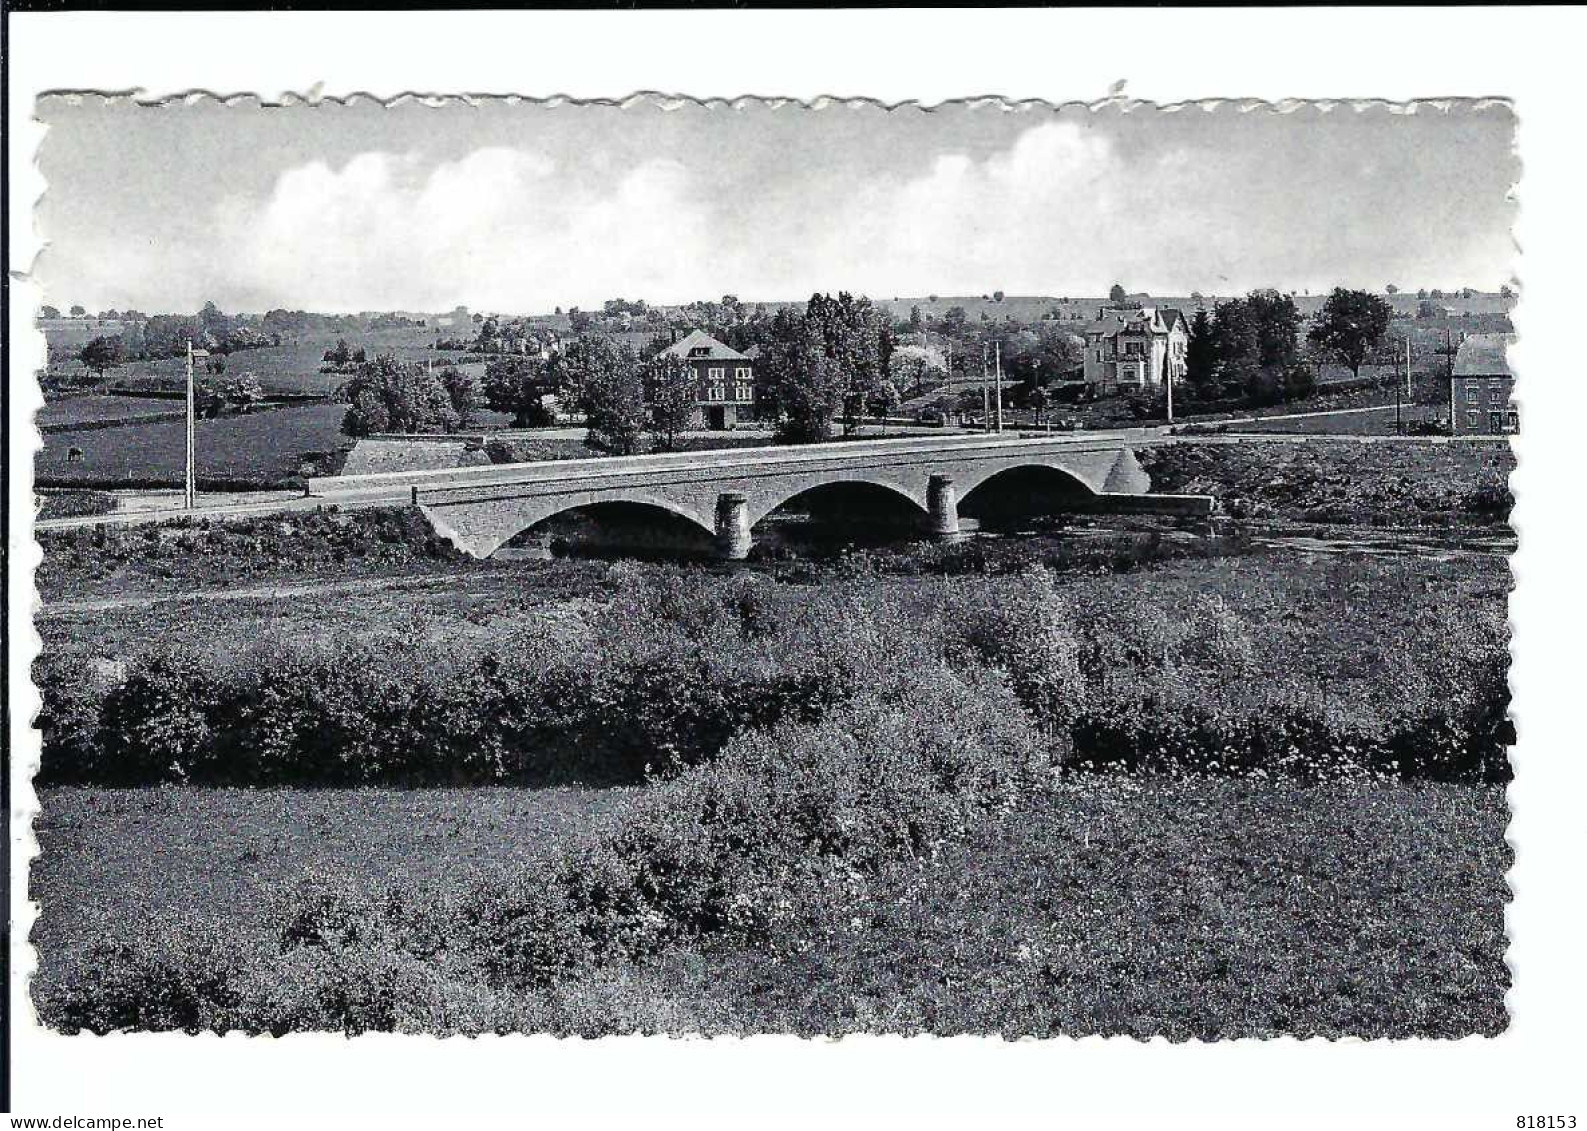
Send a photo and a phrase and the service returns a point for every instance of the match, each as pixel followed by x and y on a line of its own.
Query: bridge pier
pixel 942 507
pixel 732 526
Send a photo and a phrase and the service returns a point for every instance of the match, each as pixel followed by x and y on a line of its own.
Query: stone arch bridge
pixel 725 492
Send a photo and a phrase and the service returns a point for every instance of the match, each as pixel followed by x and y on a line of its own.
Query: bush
pixel 75 504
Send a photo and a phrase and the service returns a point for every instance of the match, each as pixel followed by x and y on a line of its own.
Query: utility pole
pixel 986 401
pixel 188 492
pixel 1407 365
pixel 998 346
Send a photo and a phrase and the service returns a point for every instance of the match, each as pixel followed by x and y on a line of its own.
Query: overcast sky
pixel 521 207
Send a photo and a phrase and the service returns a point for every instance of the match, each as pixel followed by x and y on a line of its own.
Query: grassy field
pixel 93 409
pixel 294 367
pixel 1371 422
pixel 1192 910
pixel 258 447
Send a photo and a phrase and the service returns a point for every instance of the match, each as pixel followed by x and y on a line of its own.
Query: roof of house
pixel 1114 321
pixel 1484 355
pixel 685 346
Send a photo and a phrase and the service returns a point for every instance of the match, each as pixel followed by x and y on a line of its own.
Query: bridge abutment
pixel 732 526
pixel 942 507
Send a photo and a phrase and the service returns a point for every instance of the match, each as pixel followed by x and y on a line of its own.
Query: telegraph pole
pixel 189 491
pixel 986 402
pixel 999 348
pixel 1168 380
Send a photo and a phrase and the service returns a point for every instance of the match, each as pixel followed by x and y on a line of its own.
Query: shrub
pixel 75 504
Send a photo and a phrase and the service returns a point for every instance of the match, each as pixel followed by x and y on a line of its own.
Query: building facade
pixel 1481 387
pixel 724 380
pixel 1135 348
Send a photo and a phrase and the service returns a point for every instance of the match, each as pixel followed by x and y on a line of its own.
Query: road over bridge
pixel 725 492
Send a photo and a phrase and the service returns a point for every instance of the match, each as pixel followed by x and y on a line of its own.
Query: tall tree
pixel 1277 327
pixel 1201 359
pixel 462 393
pixel 671 392
pixel 603 377
pixel 387 395
pixel 802 381
pixel 518 383
pixel 1351 324
pixel 101 354
pixel 1116 293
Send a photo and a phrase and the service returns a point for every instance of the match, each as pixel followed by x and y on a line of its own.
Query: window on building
pixel 741 374
pixel 1473 420
pixel 1495 395
pixel 716 374
pixel 1471 394
pixel 717 393
pixel 1514 421
pixel 744 393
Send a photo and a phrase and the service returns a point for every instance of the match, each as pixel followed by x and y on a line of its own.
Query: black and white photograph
pixel 704 567
pixel 726 569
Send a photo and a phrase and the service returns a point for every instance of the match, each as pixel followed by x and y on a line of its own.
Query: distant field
pixel 260 446
pixel 293 367
pixel 1366 422
pixel 91 409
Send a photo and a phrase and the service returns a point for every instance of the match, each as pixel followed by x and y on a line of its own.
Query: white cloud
pixel 498 229
pixel 1023 219
pixel 1062 209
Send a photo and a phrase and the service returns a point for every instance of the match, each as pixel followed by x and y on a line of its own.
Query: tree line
pixel 1248 350
pixel 825 365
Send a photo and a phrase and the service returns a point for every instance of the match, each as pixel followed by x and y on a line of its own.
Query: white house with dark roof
pixel 724 379
pixel 1135 347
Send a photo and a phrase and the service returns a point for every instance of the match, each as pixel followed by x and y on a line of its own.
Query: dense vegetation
pixel 74 504
pixel 673 665
pixel 1343 481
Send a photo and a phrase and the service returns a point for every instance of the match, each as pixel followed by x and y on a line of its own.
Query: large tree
pixel 671 392
pixel 387 395
pixel 803 383
pixel 518 384
pixel 1255 339
pixel 1351 325
pixel 855 336
pixel 463 393
pixel 101 354
pixel 1201 359
pixel 603 377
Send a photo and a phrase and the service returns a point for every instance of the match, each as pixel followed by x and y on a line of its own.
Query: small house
pixel 1481 386
pixel 724 379
pixel 1130 348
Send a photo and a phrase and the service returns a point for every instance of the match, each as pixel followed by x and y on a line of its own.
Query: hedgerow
pixel 675 665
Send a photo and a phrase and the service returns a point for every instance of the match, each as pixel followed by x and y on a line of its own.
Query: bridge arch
pixel 627 526
pixel 833 489
pixel 481 528
pixel 1022 490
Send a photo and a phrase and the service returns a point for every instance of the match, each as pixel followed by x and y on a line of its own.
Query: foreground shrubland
pixel 1255 666
pixel 878 804
pixel 1191 909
